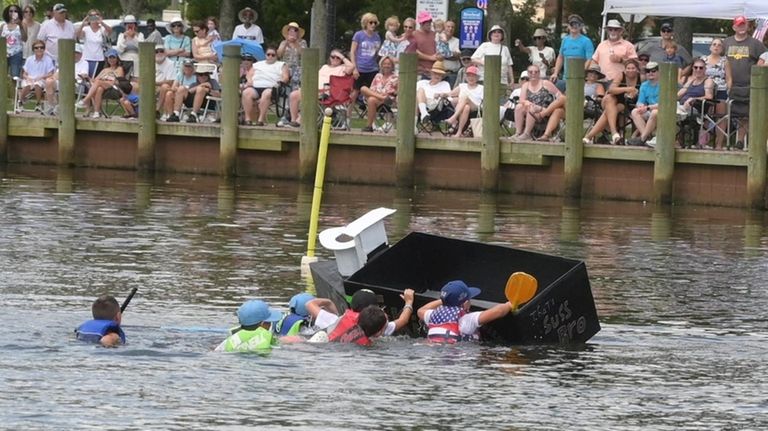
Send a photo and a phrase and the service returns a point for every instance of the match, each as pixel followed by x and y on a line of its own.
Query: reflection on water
pixel 679 291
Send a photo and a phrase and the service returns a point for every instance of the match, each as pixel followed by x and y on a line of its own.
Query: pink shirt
pixel 602 56
pixel 385 85
pixel 325 73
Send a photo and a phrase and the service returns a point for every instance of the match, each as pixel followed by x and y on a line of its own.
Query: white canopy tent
pixel 719 9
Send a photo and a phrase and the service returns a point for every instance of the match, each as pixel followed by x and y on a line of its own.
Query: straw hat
pixel 247 9
pixel 437 67
pixel 294 25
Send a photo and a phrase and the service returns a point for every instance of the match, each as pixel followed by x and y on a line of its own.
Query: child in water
pixel 104 328
pixel 254 334
pixel 391 39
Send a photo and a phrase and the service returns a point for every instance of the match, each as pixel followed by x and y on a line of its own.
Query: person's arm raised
pixel 496 312
pixel 428 306
pixel 405 315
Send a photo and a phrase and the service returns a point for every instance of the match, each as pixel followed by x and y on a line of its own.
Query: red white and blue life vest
pixel 347 330
pixel 443 325
pixel 92 330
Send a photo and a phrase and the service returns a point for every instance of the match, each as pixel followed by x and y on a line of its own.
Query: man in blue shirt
pixel 644 115
pixel 575 45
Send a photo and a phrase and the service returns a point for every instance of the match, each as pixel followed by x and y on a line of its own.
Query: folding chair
pixel 442 110
pixel 19 105
pixel 338 98
pixel 386 117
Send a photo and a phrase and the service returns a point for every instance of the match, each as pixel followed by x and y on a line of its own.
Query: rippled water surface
pixel 680 293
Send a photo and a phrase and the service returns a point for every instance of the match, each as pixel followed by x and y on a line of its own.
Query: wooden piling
pixel 66 63
pixel 145 154
pixel 230 106
pixel 405 147
pixel 5 83
pixel 309 140
pixel 666 129
pixel 757 136
pixel 574 128
pixel 489 156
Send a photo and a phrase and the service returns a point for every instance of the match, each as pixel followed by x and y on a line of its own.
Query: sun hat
pixel 456 292
pixel 363 298
pixel 438 67
pixel 497 28
pixel 129 19
pixel 256 311
pixel 423 16
pixel 472 70
pixel 739 21
pixel 540 32
pixel 247 9
pixel 594 68
pixel 614 23
pixel 294 25
pixel 176 20
pixel 298 303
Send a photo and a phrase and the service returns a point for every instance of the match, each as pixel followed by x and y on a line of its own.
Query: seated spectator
pixel 103 82
pixel 172 102
pixel 644 115
pixel 165 73
pixel 36 70
pixel 594 89
pixel 697 88
pixel 81 81
pixel 621 95
pixel 129 98
pixel 246 64
pixel 263 78
pixel 429 92
pixel 202 45
pixel 205 85
pixel 338 65
pixel 539 100
pixel 383 90
pixel 507 112
pixel 470 99
pixel 128 45
pixel 466 61
pixel 643 59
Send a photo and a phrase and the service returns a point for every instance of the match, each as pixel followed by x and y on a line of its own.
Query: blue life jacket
pixel 288 322
pixel 92 330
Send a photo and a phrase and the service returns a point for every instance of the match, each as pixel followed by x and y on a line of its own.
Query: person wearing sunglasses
pixel 248 29
pixel 612 53
pixel 260 82
pixel 202 45
pixel 697 88
pixel 37 69
pixel 656 51
pixel 178 46
pixel 58 27
pixel 93 32
pixel 647 108
pixel 364 52
pixel 539 54
pixel 574 45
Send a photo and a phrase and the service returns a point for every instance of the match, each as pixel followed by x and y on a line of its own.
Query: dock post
pixel 574 128
pixel 5 81
pixel 309 139
pixel 405 149
pixel 66 63
pixel 230 105
pixel 145 154
pixel 664 165
pixel 489 156
pixel 757 136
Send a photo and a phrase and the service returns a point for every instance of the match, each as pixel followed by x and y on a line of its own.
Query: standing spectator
pixel 128 46
pixel 539 54
pixel 742 52
pixel 290 50
pixel 657 51
pixel 93 32
pixel 213 28
pixel 153 34
pixel 178 46
pixel 424 44
pixel 32 28
pixel 248 30
pixel 494 46
pixel 202 49
pixel 391 38
pixel 611 53
pixel 58 27
pixel 451 62
pixel 409 26
pixel 15 35
pixel 575 45
pixel 365 46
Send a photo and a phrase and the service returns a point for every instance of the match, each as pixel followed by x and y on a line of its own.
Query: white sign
pixel 438 8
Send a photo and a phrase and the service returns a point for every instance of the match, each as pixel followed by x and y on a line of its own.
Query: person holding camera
pixel 94 32
pixel 539 54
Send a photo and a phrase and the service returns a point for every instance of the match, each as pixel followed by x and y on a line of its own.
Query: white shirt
pixel 251 33
pixel 473 94
pixel 468 323
pixel 326 321
pixel 51 31
pixel 81 68
pixel 488 48
pixel 93 44
pixel 267 75
pixel 453 65
pixel 535 58
pixel 430 90
pixel 165 71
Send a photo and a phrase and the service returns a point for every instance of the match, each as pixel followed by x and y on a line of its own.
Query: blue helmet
pixel 298 304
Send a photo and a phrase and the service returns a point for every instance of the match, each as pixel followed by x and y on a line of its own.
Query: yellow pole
pixel 317 195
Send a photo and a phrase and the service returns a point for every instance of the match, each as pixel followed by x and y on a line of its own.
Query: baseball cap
pixel 298 303
pixel 666 26
pixel 575 18
pixel 256 311
pixel 456 292
pixel 111 53
pixel 59 7
pixel 363 298
pixel 740 20
pixel 473 70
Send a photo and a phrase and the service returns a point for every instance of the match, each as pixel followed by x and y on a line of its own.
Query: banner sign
pixel 471 31
pixel 438 8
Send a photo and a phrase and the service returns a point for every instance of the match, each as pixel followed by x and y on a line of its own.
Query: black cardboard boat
pixel 562 311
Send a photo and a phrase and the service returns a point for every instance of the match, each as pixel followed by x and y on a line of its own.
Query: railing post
pixel 489 157
pixel 309 139
pixel 574 127
pixel 758 134
pixel 664 165
pixel 5 80
pixel 66 102
pixel 230 105
pixel 145 154
pixel 405 147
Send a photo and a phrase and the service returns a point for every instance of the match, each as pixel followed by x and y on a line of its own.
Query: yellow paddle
pixel 521 287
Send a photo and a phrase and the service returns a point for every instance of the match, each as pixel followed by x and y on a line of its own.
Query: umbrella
pixel 246 47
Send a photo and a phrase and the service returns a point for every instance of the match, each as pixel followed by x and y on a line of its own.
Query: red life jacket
pixel 347 331
pixel 443 325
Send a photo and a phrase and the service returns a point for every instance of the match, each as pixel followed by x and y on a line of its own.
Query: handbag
pixel 477 126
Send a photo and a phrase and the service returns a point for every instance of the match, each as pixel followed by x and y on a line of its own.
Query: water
pixel 680 294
